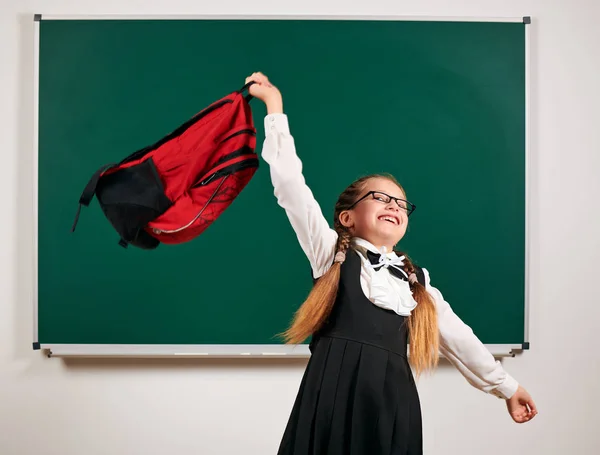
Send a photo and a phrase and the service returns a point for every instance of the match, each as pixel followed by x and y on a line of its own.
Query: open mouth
pixel 390 219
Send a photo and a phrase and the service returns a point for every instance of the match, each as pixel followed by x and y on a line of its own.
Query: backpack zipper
pixel 251 160
pixel 171 231
pixel 225 172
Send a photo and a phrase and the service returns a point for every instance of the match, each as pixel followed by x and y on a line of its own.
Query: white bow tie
pixel 384 261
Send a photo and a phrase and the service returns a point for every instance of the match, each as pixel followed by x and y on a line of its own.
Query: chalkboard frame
pixel 252 351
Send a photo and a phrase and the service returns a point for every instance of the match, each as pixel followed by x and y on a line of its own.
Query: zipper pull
pixel 207 180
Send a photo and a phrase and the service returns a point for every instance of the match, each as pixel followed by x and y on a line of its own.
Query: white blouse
pixel 377 284
pixel 458 343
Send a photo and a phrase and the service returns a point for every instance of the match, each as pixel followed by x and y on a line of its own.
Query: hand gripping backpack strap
pixel 248 97
pixel 89 191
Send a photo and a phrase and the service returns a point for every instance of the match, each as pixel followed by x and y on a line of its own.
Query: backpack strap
pixel 89 191
pixel 248 97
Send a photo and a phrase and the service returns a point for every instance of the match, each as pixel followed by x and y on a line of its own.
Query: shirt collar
pixel 369 246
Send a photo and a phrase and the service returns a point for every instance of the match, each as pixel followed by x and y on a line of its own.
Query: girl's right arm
pixel 314 234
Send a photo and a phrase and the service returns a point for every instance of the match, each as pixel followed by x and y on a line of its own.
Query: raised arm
pixel 314 234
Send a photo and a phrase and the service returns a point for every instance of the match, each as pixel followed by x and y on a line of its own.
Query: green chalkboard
pixel 439 104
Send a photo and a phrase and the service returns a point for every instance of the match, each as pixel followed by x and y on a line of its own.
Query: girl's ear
pixel 346 219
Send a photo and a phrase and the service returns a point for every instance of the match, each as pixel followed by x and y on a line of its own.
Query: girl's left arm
pixel 467 353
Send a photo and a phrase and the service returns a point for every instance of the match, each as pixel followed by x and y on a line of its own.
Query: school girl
pixel 358 393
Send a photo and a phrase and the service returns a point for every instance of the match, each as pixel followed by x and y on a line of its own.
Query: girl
pixel 358 394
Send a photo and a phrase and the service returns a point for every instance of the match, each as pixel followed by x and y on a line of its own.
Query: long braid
pixel 344 237
pixel 313 313
pixel 422 325
pixel 315 310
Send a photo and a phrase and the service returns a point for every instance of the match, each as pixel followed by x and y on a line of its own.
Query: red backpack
pixel 171 191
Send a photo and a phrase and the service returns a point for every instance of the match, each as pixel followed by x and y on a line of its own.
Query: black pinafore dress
pixel 358 394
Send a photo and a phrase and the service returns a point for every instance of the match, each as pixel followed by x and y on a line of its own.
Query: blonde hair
pixel 312 314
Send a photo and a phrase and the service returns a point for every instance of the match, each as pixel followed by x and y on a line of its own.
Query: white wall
pixel 123 407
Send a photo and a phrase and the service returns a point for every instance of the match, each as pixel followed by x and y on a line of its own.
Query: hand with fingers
pixel 521 406
pixel 265 91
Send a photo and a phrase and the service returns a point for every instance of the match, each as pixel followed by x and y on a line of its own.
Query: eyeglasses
pixel 386 198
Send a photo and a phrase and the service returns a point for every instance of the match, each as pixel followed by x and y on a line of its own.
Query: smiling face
pixel 380 222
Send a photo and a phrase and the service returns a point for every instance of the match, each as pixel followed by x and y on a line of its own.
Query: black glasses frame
pixel 410 207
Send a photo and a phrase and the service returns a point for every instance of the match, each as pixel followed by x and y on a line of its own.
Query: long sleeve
pixel 467 353
pixel 314 234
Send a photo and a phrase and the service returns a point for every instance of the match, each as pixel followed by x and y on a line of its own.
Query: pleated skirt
pixel 354 399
